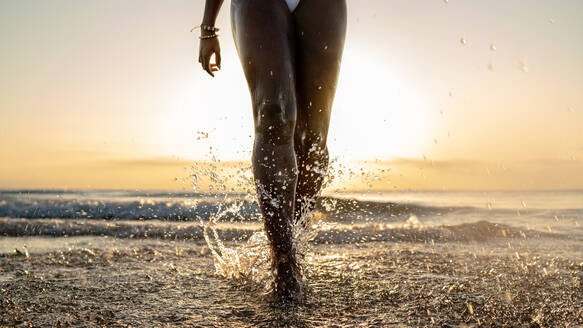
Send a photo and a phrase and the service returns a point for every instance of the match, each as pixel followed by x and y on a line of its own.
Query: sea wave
pixel 410 230
pixel 194 207
pixel 148 209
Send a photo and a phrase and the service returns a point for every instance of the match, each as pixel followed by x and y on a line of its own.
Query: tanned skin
pixel 291 62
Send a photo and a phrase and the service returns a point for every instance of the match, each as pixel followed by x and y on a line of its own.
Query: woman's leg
pixel 264 37
pixel 320 27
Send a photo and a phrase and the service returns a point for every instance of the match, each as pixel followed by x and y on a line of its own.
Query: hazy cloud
pixel 149 162
pixel 438 164
pixel 170 162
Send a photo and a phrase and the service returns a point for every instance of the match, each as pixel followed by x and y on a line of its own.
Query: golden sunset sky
pixel 457 95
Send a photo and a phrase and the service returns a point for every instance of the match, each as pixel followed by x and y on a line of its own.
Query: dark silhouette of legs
pixel 291 63
pixel 263 33
pixel 320 27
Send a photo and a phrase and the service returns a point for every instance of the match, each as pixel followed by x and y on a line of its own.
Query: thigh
pixel 320 33
pixel 264 37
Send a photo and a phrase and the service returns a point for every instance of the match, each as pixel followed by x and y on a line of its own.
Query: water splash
pixel 250 260
pixel 413 223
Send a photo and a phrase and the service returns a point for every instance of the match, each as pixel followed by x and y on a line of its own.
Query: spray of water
pixel 251 259
pixel 248 260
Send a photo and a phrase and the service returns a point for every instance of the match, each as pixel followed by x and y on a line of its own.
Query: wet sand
pixel 98 281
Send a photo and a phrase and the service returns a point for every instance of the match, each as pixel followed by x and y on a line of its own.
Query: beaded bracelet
pixel 210 36
pixel 206 28
pixel 209 28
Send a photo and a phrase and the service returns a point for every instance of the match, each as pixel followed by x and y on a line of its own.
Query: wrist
pixel 207 33
pixel 208 28
pixel 208 37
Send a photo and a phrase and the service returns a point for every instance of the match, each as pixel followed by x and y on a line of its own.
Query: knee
pixel 311 146
pixel 275 121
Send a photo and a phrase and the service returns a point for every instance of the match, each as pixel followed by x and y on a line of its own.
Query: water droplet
pixel 523 66
pixel 325 47
pixel 463 41
pixel 490 66
pixel 319 87
pixel 271 73
pixel 493 47
pixel 446 1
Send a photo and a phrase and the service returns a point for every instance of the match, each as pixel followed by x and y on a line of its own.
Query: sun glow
pixel 219 107
pixel 378 113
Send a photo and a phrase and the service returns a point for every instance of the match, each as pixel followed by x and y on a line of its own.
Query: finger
pixel 218 58
pixel 207 65
pixel 209 70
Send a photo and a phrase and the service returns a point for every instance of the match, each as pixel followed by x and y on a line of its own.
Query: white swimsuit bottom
pixel 292 4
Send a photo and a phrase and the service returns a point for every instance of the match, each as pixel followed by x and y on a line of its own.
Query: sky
pixel 432 95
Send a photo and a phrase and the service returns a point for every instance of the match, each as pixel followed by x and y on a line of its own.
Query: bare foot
pixel 287 277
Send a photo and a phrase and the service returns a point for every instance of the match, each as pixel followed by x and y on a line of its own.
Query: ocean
pixel 394 258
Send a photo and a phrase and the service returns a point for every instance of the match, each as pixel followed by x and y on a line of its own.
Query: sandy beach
pixel 96 281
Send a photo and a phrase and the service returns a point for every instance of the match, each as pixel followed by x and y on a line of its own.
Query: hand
pixel 208 47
